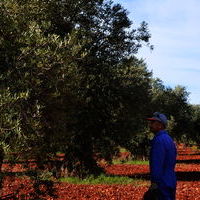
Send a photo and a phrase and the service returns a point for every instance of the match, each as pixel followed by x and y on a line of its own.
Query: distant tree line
pixel 70 82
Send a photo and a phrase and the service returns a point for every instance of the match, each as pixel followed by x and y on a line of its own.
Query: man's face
pixel 155 126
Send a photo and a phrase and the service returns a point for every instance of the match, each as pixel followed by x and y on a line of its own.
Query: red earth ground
pixel 188 185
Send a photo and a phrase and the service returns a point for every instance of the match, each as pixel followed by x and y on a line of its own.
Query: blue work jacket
pixel 163 160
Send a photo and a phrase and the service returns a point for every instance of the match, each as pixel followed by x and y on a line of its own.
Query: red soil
pixel 188 185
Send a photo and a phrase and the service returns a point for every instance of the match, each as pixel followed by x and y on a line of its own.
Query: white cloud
pixel 175 29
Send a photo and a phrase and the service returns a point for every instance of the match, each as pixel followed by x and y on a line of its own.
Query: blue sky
pixel 175 29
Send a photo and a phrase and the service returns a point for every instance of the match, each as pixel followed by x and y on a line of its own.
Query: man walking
pixel 162 159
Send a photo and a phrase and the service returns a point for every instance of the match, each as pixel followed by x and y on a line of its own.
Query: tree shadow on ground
pixel 195 161
pixel 193 154
pixel 181 176
pixel 188 176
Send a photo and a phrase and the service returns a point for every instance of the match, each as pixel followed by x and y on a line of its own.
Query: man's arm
pixel 157 157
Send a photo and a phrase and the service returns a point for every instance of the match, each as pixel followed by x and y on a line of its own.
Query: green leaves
pixel 68 83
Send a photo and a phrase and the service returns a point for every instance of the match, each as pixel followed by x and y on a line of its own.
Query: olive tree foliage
pixel 38 72
pixel 174 103
pixel 195 128
pixel 135 100
pixel 69 80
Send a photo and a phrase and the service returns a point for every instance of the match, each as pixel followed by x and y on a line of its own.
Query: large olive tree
pixel 69 80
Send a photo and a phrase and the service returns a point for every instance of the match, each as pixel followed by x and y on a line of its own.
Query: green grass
pixel 102 179
pixel 194 148
pixel 133 162
pixel 122 149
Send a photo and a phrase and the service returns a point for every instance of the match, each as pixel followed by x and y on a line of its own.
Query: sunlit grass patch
pixel 133 162
pixel 104 179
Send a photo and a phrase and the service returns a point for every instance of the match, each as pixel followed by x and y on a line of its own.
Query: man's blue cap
pixel 157 116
